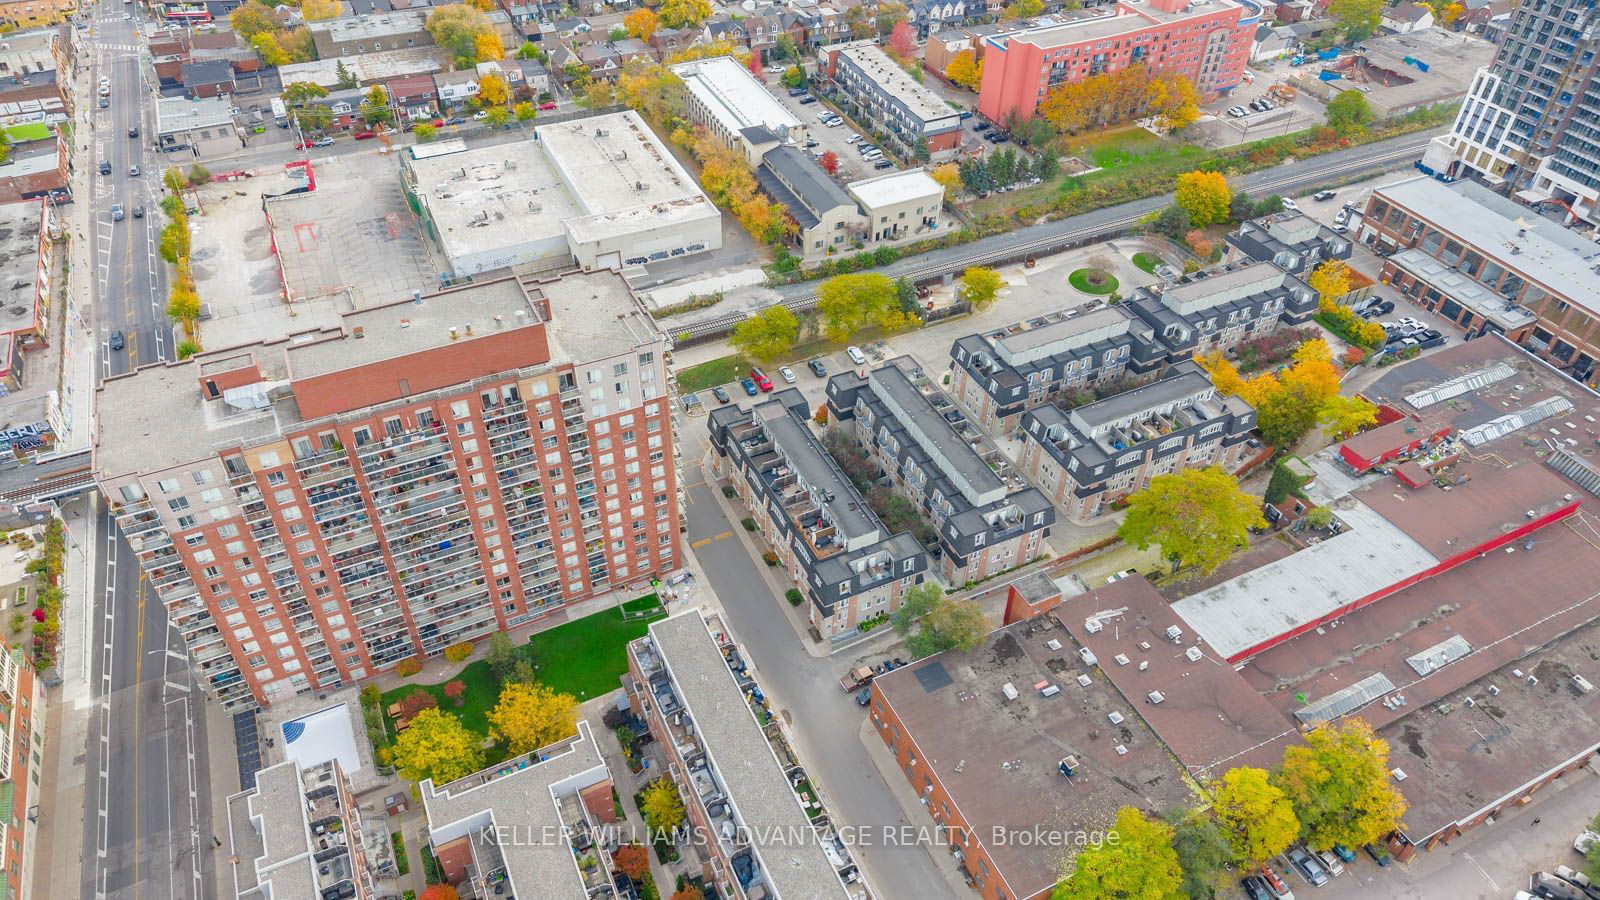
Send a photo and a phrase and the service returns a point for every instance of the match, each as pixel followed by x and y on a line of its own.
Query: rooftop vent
pixel 1053 644
pixel 1085 680
pixel 1121 658
pixel 1156 696
pixel 1398 773
pixel 1194 654
pixel 1010 690
pixel 1115 717
pixel 1088 656
pixel 1174 633
pixel 1582 684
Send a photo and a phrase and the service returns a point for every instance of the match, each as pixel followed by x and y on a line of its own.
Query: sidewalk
pixel 626 785
pixel 911 807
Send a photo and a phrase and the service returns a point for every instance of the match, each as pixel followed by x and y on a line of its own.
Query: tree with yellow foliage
pixel 681 13
pixel 1450 13
pixel 707 51
pixel 651 90
pixel 1205 196
pixel 488 47
pixel 1331 281
pixel 1174 101
pixel 1022 9
pixel 966 70
pixel 530 716
pixel 1255 815
pixel 767 221
pixel 642 23
pixel 948 176
pixel 1344 416
pixel 1338 783
pixel 1199 517
pixel 1314 350
pixel 267 47
pixel 493 91
pixel 1224 375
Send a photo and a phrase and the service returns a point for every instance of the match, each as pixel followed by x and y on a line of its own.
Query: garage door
pixel 611 260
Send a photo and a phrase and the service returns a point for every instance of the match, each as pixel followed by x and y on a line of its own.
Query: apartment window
pixel 186 522
pixel 168 485
pixel 276 478
pixel 178 505
pixel 363 436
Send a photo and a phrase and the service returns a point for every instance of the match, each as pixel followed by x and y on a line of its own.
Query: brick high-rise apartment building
pixel 1208 43
pixel 316 508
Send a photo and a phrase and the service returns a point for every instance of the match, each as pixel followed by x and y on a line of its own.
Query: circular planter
pixel 1092 281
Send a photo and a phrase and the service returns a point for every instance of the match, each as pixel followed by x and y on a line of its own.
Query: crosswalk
pixel 127 47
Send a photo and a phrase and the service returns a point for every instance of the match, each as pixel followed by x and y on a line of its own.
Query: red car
pixel 548 105
pixel 365 135
pixel 761 380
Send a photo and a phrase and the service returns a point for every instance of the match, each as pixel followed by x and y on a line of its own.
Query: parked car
pixel 761 379
pixel 824 115
pixel 1275 884
pixel 834 122
pixel 133 171
pixel 548 105
pixel 1585 840
pixel 797 92
pixel 982 126
pixel 1341 218
pixel 1238 112
pixel 105 167
pixel 1330 862
pixel 118 341
pixel 864 696
pixel 749 386
pixel 883 164
pixel 855 354
pixel 1322 195
pixel 721 393
pixel 1307 866
pixel 964 114
pixel 1290 204
pixel 104 102
pixel 105 90
pixel 807 99
pixel 480 115
pixel 998 137
pixel 787 374
pixel 1255 888
pixel 365 135
pixel 1344 853
pixel 1380 855
pixel 453 120
pixel 322 142
pixel 854 139
pixel 817 368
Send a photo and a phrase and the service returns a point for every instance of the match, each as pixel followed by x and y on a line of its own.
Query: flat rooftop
pixel 1560 260
pixel 1464 290
pixel 895 188
pixel 1207 714
pixel 812 464
pixel 1125 20
pixel 284 867
pixel 368 67
pixel 519 798
pixel 756 786
pixel 998 758
pixel 733 95
pixel 1025 343
pixel 1213 287
pixel 492 196
pixel 20 225
pixel 369 26
pixel 938 438
pixel 893 80
pixel 1156 395
pixel 614 163
pixel 178 114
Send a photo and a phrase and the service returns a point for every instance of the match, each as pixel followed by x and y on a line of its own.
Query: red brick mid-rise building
pixel 1208 44
pixel 21 746
pixel 316 508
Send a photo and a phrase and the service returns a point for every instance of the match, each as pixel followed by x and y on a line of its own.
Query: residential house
pixel 1291 240
pixel 455 89
pixel 600 60
pixel 1273 42
pixel 413 97
pixel 1407 17
pixel 208 79
pixel 535 77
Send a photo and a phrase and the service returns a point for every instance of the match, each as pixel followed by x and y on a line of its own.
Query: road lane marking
pixel 1492 884
pixel 725 534
pixel 700 543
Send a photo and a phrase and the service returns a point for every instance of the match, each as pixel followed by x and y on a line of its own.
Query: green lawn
pixel 709 374
pixel 1146 262
pixel 585 658
pixel 1080 280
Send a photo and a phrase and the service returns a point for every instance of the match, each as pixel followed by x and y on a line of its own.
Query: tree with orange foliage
pixel 901 44
pixel 633 860
pixel 642 23
pixel 966 70
pixel 439 892
pixel 755 68
pixel 1202 246
pixel 829 162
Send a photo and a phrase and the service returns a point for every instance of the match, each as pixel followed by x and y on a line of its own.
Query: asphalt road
pixel 825 720
pixel 148 831
pixel 130 279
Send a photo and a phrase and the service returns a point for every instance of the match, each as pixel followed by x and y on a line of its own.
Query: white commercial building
pixel 725 98
pixel 602 192
pixel 899 206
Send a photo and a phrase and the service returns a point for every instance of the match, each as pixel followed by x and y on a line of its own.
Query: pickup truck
pixel 858 678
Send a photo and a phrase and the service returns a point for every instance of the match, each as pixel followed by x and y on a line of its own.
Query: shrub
pixel 729 491
pixel 748 523
pixel 794 596
pixel 415 702
pixel 371 696
pixel 456 691
pixel 459 651
pixel 821 417
pixel 770 558
pixel 408 667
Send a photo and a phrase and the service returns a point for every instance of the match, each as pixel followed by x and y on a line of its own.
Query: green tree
pixel 1204 196
pixel 1348 113
pixel 502 656
pixel 424 131
pixel 1173 221
pixel 187 348
pixel 980 286
pixel 1254 814
pixel 1202 849
pixel 1287 414
pixel 456 27
pixel 530 716
pixel 347 78
pixel 1592 855
pixel 1140 864
pixel 436 745
pixel 1239 208
pixel 530 50
pixel 1003 166
pixel 524 111
pixel 849 303
pixel 1338 783
pixel 1357 18
pixel 661 807
pixel 299 93
pixel 1197 516
pixel 498 116
pixel 617 33
pixel 906 294
pixel 931 622
pixel 1046 165
pixel 766 335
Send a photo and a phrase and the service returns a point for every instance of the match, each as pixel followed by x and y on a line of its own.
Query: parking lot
pixel 836 139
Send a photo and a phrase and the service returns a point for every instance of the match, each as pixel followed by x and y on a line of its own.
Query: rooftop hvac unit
pixel 1093 626
pixel 1053 644
pixel 1050 691
pixel 1174 633
pixel 1398 773
pixel 1193 653
pixel 1009 690
pixel 1156 696
pixel 1121 750
pixel 1582 684
pixel 1068 766
pixel 1088 656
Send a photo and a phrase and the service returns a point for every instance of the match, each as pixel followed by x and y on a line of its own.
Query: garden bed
pixel 1146 262
pixel 1093 281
